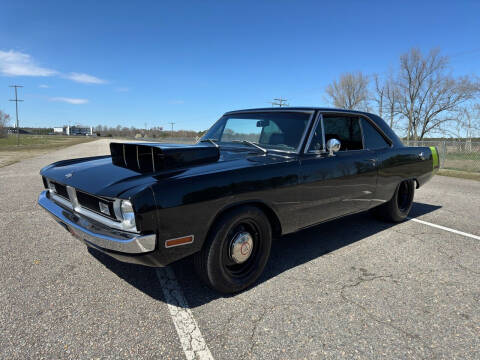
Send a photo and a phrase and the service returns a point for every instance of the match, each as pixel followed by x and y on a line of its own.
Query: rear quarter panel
pixel 402 163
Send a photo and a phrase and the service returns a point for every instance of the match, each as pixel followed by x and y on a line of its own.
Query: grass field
pixel 33 145
pixel 467 161
pixel 464 156
pixel 39 141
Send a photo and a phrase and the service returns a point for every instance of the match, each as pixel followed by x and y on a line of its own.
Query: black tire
pixel 399 206
pixel 215 264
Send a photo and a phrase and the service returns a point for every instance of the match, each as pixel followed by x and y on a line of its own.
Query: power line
pixel 172 123
pixel 279 102
pixel 16 107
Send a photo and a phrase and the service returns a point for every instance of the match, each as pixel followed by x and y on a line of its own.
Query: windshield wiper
pixel 212 141
pixel 251 144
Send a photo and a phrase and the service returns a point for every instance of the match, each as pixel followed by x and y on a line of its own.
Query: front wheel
pixel 399 206
pixel 236 250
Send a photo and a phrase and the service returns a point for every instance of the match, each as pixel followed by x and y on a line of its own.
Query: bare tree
pixel 379 95
pixel 428 95
pixel 468 121
pixel 391 102
pixel 350 92
pixel 4 121
pixel 385 97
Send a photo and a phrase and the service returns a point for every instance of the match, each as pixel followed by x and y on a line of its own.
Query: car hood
pixel 103 176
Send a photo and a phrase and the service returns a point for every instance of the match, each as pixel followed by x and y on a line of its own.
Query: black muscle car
pixel 255 175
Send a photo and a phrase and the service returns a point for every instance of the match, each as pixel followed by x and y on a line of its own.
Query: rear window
pixel 373 139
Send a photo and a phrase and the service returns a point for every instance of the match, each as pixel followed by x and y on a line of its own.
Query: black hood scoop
pixel 153 157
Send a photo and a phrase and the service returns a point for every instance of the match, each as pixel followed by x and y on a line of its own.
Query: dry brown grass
pixel 34 145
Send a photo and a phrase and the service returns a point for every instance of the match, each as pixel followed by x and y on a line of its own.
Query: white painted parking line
pixel 445 228
pixel 191 338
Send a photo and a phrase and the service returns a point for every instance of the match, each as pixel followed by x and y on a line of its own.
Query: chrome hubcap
pixel 242 246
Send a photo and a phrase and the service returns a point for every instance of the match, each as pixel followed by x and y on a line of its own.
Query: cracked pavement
pixel 351 288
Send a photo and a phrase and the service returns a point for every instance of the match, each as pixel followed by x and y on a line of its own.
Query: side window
pixel 316 143
pixel 373 139
pixel 344 128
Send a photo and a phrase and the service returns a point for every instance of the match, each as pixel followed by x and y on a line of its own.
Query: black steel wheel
pixel 399 206
pixel 236 250
pixel 404 198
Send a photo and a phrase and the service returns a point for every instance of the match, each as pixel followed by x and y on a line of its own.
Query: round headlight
pixel 127 214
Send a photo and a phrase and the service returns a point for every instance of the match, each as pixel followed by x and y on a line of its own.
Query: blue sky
pixel 137 62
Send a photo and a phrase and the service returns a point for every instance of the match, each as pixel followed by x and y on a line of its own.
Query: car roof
pixel 297 108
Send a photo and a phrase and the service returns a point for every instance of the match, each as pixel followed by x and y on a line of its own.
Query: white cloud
pixel 15 63
pixel 122 89
pixel 74 101
pixel 43 86
pixel 84 78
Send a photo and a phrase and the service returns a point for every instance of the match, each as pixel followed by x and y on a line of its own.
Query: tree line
pixel 154 132
pixel 4 120
pixel 420 97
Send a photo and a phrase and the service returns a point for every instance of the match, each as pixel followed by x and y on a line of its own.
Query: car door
pixel 338 184
pixel 381 146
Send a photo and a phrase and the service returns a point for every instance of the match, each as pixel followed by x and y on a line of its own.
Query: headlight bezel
pixel 125 213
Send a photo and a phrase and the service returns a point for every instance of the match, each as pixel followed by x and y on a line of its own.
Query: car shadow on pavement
pixel 287 252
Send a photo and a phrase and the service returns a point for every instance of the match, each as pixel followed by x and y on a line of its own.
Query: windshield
pixel 271 130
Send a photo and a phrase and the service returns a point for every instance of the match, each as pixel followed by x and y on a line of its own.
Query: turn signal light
pixel 179 241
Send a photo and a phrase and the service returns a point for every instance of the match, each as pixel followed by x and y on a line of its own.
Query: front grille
pixel 60 189
pixel 85 200
pixel 92 203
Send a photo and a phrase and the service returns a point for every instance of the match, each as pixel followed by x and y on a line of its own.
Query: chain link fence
pixel 460 155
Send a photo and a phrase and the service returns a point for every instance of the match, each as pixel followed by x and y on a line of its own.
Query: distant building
pixel 74 130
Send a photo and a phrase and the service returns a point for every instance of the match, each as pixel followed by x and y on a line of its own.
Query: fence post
pixel 444 150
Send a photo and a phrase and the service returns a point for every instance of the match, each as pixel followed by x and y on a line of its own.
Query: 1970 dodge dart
pixel 255 175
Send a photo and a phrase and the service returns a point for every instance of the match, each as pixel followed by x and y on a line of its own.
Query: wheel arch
pixel 416 182
pixel 272 216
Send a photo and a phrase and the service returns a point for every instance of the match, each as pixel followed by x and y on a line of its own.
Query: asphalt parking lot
pixel 351 288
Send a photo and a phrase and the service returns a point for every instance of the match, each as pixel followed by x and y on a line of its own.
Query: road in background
pixel 350 288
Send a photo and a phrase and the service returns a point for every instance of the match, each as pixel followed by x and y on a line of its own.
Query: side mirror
pixel 333 145
pixel 263 123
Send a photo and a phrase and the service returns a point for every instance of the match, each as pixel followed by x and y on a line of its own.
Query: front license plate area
pixel 71 230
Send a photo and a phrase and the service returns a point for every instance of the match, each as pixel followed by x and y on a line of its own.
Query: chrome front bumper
pixel 96 234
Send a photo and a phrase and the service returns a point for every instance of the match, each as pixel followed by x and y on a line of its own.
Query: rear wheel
pixel 236 250
pixel 399 206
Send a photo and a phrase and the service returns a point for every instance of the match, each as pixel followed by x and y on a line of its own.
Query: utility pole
pixel 16 107
pixel 279 102
pixel 172 123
